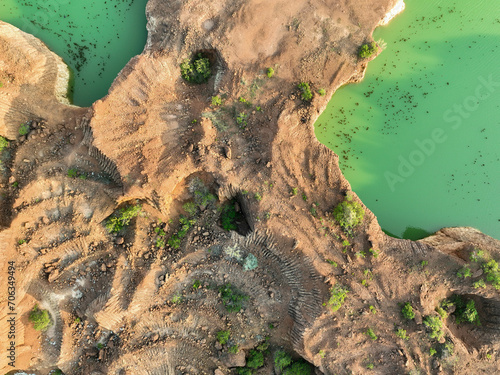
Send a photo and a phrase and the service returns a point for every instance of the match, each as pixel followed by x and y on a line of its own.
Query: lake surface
pixel 419 138
pixel 96 38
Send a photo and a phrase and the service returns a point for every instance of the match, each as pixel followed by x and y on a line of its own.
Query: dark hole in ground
pixel 233 217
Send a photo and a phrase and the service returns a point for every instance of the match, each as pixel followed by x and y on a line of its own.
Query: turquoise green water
pixel 419 138
pixel 96 38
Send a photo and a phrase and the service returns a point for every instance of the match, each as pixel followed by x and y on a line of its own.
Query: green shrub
pixel 298 368
pixel 305 91
pixel 197 70
pixel 479 284
pixel 241 119
pixel 476 255
pixel 371 334
pixel 177 298
pixel 24 129
pixel 234 349
pixel 407 311
pixel 349 213
pixel 190 208
pixel 338 294
pixel 282 360
pixel 465 310
pixel 3 143
pixel 491 266
pixel 435 326
pixel 251 262
pixel 223 337
pixel 270 72
pixel 464 272
pixel 229 216
pixel 72 173
pixel 255 359
pixel 368 49
pixel 232 298
pixel 216 101
pixel 258 196
pixel 492 274
pixel 119 220
pixel 244 371
pixel 322 92
pixel 40 319
pixel 401 333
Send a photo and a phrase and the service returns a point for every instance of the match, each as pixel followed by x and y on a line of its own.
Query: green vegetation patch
pixel 465 310
pixel 305 91
pixel 368 49
pixel 196 70
pixel 24 129
pixel 223 337
pixel 298 368
pixel 40 319
pixel 338 293
pixel 122 218
pixel 349 213
pixel 255 359
pixel 229 216
pixel 435 326
pixel 232 298
pixel 282 359
pixel 4 143
pixel 407 311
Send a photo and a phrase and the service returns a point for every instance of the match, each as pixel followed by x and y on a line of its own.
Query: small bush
pixel 401 333
pixel 177 298
pixel 371 334
pixel 270 72
pixel 282 360
pixel 197 70
pixel 3 143
pixel 479 284
pixel 337 296
pixel 435 326
pixel 190 208
pixel 407 311
pixel 464 272
pixel 250 262
pixel 492 274
pixel 255 359
pixel 234 349
pixel 245 371
pixel 305 91
pixel 223 337
pixel 476 255
pixel 349 213
pixel 118 221
pixel 24 129
pixel 232 298
pixel 368 49
pixel 322 92
pixel 40 319
pixel 465 310
pixel 229 216
pixel 241 119
pixel 216 101
pixel 298 368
